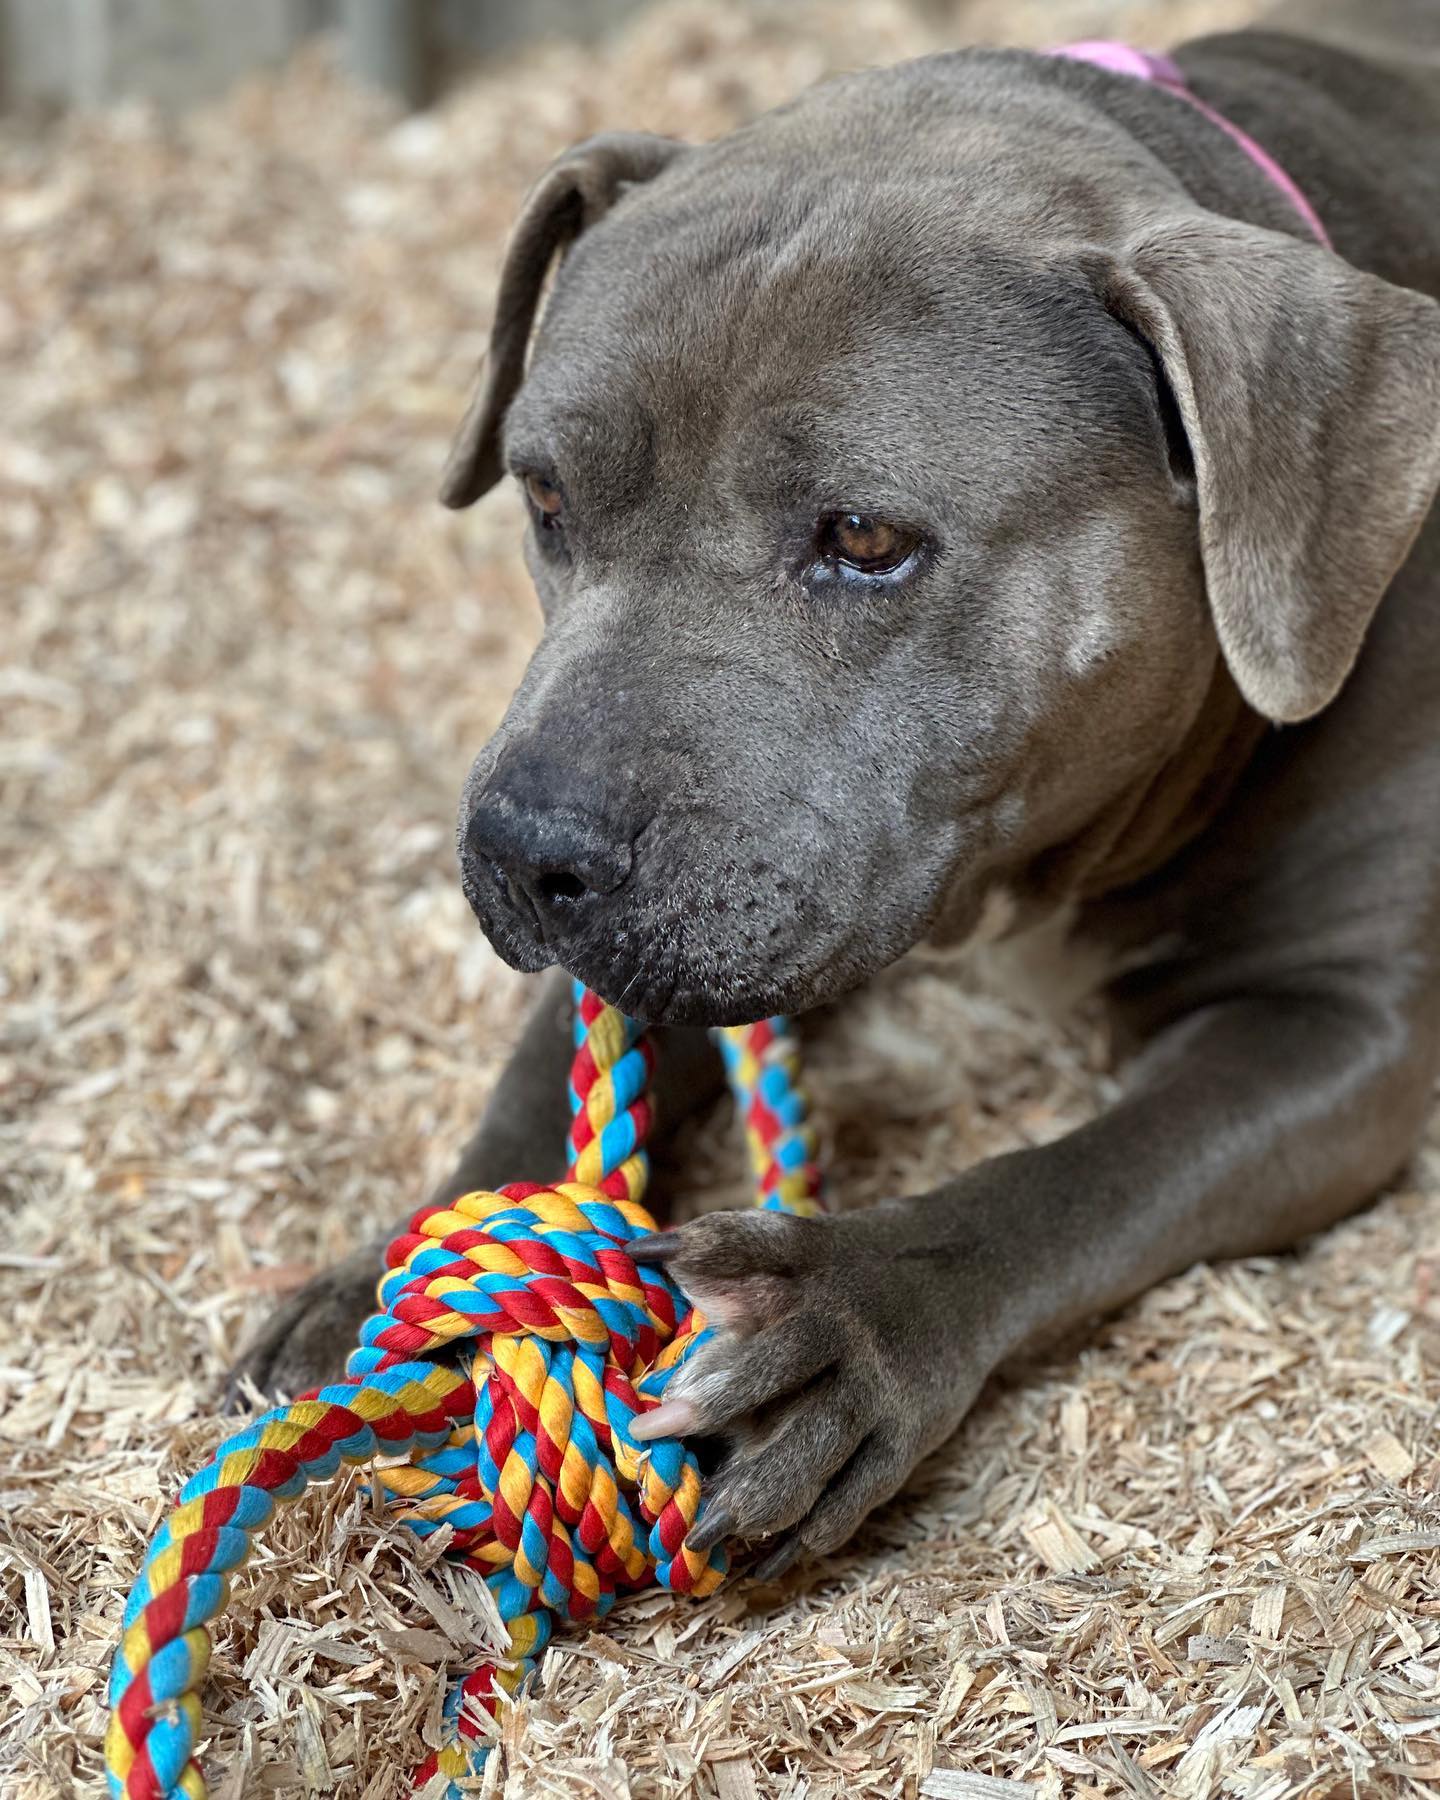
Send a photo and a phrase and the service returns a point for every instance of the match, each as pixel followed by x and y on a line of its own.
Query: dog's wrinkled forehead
pixel 814 334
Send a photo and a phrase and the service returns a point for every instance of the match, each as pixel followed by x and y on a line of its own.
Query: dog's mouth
pixel 664 963
pixel 679 998
pixel 667 990
pixel 710 912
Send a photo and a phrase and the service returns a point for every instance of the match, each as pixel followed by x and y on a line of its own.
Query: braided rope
pixel 515 1344
pixel 763 1064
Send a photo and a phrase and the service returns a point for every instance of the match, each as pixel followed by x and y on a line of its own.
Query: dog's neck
pixel 1131 836
pixel 1150 823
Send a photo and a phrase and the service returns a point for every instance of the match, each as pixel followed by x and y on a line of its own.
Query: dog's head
pixel 910 476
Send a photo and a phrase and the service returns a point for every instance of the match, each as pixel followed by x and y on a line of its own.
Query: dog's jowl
pixel 987 490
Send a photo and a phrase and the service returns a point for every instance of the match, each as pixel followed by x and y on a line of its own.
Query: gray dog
pixel 965 496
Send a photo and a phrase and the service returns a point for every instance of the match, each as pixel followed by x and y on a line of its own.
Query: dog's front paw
pixel 304 1342
pixel 821 1375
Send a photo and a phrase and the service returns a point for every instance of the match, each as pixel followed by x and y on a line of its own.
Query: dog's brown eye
pixel 545 497
pixel 861 541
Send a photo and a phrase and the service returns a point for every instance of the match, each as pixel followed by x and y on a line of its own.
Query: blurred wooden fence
pixel 88 52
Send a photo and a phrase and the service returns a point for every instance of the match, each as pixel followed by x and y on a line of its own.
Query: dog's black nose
pixel 555 854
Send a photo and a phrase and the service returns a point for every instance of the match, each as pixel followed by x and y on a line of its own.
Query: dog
pixel 977 494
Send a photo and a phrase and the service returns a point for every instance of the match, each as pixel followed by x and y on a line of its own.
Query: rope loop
pixel 515 1342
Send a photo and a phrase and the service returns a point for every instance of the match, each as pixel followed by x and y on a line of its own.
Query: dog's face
pixel 866 537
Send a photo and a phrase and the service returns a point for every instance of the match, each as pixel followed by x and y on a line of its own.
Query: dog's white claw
pixel 672 1418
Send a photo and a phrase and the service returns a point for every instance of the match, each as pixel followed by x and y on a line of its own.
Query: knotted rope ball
pixel 515 1344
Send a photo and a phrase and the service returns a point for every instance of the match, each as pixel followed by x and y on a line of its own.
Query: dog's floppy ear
pixel 1310 396
pixel 573 193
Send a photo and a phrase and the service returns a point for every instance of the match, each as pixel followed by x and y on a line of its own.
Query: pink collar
pixel 1121 59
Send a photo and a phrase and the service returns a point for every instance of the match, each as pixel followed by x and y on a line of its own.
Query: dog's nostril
pixel 552 862
pixel 560 886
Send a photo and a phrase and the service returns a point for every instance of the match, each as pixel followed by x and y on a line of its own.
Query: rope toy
pixel 515 1343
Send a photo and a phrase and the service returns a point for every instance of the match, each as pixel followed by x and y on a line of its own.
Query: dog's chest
pixel 1046 968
